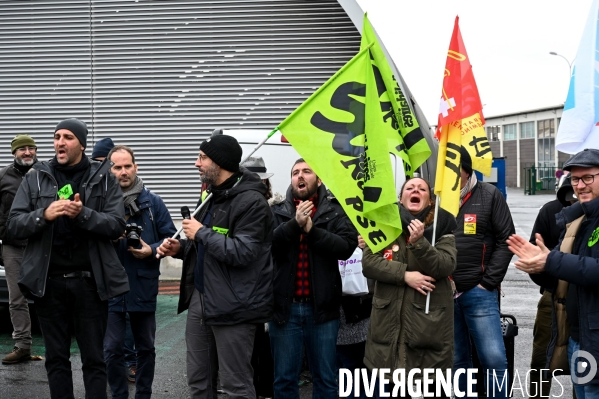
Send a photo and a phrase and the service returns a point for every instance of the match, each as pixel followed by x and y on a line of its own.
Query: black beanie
pixel 102 148
pixel 466 161
pixel 77 127
pixel 224 151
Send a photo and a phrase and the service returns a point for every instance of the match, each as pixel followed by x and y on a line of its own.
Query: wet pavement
pixel 28 380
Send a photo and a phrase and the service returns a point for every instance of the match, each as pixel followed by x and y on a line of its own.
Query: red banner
pixel 460 98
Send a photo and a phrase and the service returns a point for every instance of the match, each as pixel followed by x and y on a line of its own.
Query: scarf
pixel 446 223
pixel 472 180
pixel 23 168
pixel 65 237
pixel 131 195
pixel 226 185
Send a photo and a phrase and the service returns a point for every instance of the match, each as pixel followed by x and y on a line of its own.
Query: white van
pixel 279 156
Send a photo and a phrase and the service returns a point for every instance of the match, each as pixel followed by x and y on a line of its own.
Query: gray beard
pixel 210 175
pixel 25 163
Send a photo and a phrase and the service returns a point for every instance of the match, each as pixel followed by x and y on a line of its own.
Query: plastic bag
pixel 353 281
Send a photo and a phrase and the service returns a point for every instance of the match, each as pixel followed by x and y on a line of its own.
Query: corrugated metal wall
pixel 159 76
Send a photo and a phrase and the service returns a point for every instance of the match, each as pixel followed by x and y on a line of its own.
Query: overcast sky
pixel 508 43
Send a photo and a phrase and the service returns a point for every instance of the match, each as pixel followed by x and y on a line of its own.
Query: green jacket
pixel 401 335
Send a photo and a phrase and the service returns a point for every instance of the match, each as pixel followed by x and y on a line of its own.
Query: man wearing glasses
pixel 571 270
pixel 24 150
pixel 226 281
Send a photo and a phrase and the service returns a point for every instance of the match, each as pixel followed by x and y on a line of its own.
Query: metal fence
pixel 539 178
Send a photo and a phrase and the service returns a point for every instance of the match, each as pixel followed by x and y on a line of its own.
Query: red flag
pixel 460 97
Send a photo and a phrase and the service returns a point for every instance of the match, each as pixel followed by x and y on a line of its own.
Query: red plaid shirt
pixel 302 275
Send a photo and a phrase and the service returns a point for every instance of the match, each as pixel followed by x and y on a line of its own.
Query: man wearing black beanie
pixel 227 276
pixel 484 224
pixel 70 209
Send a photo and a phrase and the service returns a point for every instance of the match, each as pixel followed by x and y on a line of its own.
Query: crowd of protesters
pixel 260 282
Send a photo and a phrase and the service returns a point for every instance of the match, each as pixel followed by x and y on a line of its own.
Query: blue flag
pixel 579 128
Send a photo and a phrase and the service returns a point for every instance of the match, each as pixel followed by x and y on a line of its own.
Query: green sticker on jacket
pixel 220 230
pixel 65 192
pixel 594 237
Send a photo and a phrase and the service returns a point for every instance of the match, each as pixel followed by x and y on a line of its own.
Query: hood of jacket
pixel 246 181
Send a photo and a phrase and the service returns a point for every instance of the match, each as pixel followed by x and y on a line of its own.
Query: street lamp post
pixel 569 63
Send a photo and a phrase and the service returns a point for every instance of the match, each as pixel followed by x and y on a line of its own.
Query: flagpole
pixel 205 201
pixel 428 294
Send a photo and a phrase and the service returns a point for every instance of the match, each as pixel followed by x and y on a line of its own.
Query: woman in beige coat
pixel 401 335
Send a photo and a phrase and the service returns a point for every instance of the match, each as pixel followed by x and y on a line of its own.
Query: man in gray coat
pixel 70 209
pixel 24 150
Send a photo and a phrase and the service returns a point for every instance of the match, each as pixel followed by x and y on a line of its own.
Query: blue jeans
pixel 287 342
pixel 143 326
pixel 76 301
pixel 586 391
pixel 476 315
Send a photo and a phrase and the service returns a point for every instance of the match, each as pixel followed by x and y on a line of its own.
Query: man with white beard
pixel 24 150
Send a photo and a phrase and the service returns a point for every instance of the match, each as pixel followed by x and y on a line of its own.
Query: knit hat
pixel 256 165
pixel 21 140
pixel 102 148
pixel 466 161
pixel 77 127
pixel 223 150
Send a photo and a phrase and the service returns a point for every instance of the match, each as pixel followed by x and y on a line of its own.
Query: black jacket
pixel 237 264
pixel 10 180
pixel 102 217
pixel 483 257
pixel 332 238
pixel 546 226
pixel 580 269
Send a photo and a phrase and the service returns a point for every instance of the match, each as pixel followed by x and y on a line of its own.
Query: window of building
pixel 509 132
pixel 527 130
pixel 493 133
pixel 546 137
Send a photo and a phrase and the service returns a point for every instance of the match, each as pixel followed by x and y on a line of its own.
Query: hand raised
pixel 303 212
pixel 416 228
pixel 73 208
pixel 55 209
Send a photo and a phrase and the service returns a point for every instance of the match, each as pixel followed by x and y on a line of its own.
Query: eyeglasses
pixel 203 157
pixel 586 179
pixel 27 148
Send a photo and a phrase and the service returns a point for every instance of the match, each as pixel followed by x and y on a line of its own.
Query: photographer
pixel 148 224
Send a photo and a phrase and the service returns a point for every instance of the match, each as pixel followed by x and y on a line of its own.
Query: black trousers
pixel 72 305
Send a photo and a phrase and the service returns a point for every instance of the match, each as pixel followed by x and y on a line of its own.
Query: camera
pixel 133 235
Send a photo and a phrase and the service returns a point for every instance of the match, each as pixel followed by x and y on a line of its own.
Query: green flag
pixel 328 131
pixel 405 136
